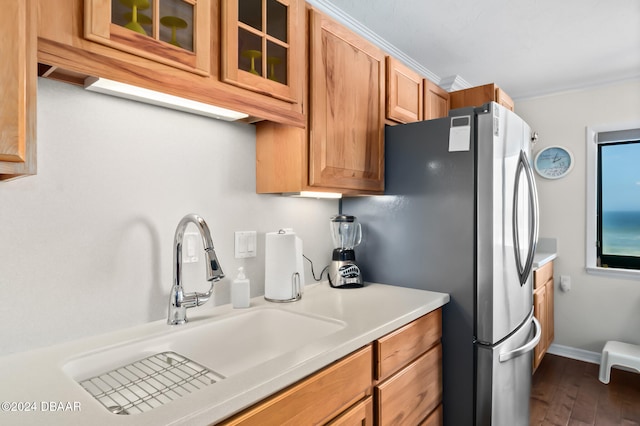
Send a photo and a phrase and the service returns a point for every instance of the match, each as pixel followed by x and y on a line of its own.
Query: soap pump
pixel 240 290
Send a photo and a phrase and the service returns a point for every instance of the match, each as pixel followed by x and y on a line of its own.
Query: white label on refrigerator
pixel 460 134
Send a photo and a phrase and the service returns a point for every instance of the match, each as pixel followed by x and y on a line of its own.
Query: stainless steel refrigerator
pixel 459 215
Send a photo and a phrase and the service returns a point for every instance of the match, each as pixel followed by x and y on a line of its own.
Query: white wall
pixel 86 244
pixel 597 308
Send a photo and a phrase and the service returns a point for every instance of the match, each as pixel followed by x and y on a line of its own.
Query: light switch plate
pixel 245 244
pixel 191 247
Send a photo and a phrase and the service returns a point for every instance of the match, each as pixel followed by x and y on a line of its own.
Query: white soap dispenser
pixel 240 290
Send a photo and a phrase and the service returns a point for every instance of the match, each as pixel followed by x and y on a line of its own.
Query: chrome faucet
pixel 179 301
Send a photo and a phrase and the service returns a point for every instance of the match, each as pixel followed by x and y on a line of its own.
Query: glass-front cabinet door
pixel 262 46
pixel 173 32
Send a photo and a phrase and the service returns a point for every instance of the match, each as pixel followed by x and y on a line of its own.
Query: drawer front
pixel 360 414
pixel 397 349
pixel 542 275
pixel 435 419
pixel 316 399
pixel 410 395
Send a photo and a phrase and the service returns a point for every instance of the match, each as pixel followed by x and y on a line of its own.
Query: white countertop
pixel 38 391
pixel 546 251
pixel 542 258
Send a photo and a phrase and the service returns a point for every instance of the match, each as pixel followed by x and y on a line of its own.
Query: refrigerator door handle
pixel 506 356
pixel 525 270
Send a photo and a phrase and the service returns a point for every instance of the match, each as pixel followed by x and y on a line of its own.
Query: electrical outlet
pixel 565 283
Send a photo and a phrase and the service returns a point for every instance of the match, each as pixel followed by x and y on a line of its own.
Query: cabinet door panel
pixel 18 77
pixel 171 32
pixel 436 101
pixel 347 109
pixel 542 275
pixel 540 312
pixel 404 93
pixel 262 47
pixel 549 326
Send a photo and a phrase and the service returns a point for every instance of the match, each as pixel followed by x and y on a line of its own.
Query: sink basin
pixel 224 346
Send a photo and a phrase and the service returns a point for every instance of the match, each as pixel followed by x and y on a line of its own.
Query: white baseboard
pixel 574 353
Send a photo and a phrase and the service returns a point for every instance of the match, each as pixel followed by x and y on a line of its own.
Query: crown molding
pixel 453 83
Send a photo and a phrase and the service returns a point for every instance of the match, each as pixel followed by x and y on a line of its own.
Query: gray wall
pixel 86 244
pixel 597 308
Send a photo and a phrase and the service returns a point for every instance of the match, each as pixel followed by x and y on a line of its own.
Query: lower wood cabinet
pixel 409 396
pixel 408 370
pixel 543 306
pixel 396 380
pixel 317 399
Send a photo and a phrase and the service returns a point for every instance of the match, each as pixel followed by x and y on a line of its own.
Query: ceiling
pixel 527 47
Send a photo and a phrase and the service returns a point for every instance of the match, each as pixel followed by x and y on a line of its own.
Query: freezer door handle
pixel 525 270
pixel 506 356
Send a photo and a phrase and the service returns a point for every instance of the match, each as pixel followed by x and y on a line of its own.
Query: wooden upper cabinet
pixel 436 101
pixel 503 99
pixel 404 93
pixel 262 46
pixel 172 32
pixel 346 122
pixel 18 77
pixel 476 96
pixel 179 54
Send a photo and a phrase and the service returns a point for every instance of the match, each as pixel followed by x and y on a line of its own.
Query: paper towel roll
pixel 283 260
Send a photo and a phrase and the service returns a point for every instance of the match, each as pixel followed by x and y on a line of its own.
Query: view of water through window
pixel 620 175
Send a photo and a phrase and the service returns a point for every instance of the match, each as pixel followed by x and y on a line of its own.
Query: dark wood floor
pixel 567 392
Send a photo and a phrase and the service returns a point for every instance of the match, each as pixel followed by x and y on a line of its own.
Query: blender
pixel 346 233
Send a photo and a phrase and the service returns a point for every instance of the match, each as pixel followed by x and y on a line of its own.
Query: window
pixel 613 201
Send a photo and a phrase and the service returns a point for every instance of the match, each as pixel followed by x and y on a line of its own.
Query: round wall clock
pixel 553 162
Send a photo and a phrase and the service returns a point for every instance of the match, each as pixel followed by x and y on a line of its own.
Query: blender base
pixel 345 274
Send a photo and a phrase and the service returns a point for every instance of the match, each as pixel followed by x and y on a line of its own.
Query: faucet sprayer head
pixel 214 270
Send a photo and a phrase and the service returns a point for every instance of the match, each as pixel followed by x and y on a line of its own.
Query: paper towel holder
pixel 296 293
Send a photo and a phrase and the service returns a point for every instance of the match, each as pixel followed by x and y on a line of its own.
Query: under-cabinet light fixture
pixel 312 194
pixel 127 91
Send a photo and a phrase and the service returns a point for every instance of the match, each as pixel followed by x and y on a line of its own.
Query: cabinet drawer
pixel 360 414
pixel 410 395
pixel 397 349
pixel 542 275
pixel 435 419
pixel 316 399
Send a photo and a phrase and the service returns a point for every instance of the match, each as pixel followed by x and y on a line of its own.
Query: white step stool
pixel 618 353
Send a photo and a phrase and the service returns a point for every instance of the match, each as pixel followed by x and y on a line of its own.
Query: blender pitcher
pixel 346 233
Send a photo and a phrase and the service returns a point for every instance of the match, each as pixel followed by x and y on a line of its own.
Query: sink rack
pixel 149 383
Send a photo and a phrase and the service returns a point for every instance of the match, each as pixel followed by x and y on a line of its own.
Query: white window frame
pixel 592 202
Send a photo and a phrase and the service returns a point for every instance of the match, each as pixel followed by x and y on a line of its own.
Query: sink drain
pixel 116 409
